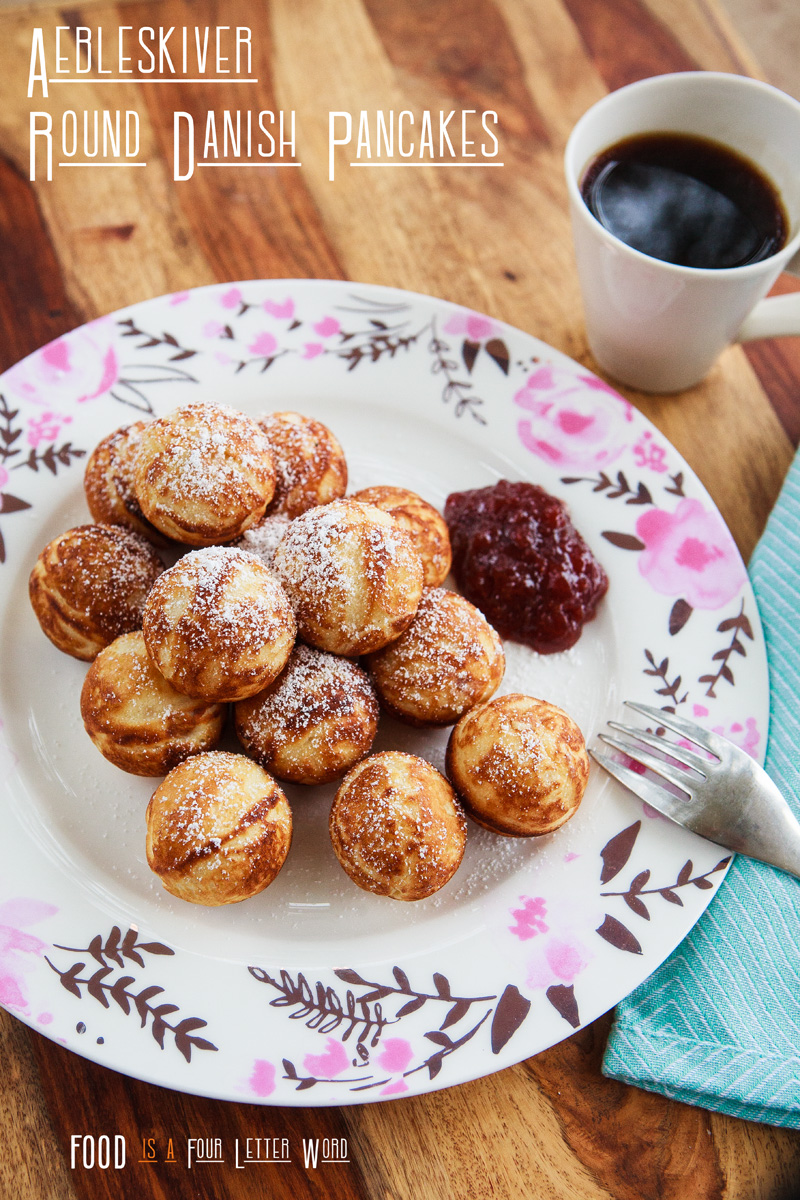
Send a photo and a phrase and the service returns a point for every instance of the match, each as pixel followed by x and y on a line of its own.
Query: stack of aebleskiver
pixel 275 551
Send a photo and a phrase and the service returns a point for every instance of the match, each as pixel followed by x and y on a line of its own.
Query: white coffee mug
pixel 654 325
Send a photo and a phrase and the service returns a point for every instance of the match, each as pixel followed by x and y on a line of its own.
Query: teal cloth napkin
pixel 718 1024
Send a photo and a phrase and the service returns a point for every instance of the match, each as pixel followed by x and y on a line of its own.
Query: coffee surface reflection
pixel 686 200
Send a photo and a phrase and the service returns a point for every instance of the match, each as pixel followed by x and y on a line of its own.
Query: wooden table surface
pixel 498 241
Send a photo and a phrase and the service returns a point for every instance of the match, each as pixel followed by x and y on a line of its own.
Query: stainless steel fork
pixel 727 798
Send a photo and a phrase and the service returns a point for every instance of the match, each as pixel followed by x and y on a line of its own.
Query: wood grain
pixel 102 1101
pixel 629 41
pixel 30 1164
pixel 642 1146
pixel 497 241
pixel 463 50
pixel 29 270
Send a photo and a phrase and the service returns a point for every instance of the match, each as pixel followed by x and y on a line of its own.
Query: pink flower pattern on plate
pixel 744 733
pixel 283 310
pixel 17 946
pixel 691 554
pixel 263 345
pixel 46 427
pixel 67 371
pixel 395 1058
pixel 474 326
pixel 330 1063
pixel 232 298
pixel 530 918
pixel 571 421
pixel 327 327
pixel 558 951
pixel 651 454
pixel 262 1077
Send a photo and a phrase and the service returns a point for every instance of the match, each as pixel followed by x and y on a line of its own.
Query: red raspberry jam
pixel 519 559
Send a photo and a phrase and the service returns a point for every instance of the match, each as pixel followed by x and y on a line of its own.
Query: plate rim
pixel 295 1098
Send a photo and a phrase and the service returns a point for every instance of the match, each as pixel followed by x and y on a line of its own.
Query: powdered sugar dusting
pixel 309 463
pixel 346 558
pixel 299 454
pixel 306 558
pixel 262 540
pixel 207 450
pixel 107 570
pixel 444 662
pixel 122 447
pixel 233 596
pixel 311 686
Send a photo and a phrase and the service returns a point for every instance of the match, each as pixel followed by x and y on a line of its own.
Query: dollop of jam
pixel 520 560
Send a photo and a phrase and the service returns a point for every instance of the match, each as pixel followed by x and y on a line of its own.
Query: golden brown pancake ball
pixel 352 575
pixel 136 719
pixel 397 827
pixel 449 659
pixel 108 482
pixel 90 584
pixel 218 829
pixel 519 765
pixel 315 721
pixel 309 462
pixel 218 624
pixel 425 526
pixel 204 473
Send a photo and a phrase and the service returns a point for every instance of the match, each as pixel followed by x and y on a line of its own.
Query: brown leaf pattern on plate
pixel 323 1009
pixel 469 352
pixel 512 1009
pixel 679 615
pixel 685 877
pixel 498 351
pixel 386 330
pixel 134 377
pixel 617 851
pixel 677 485
pixel 52 457
pixel 740 627
pixel 671 688
pixel 459 391
pixel 131 330
pixel 617 934
pixel 562 998
pixel 111 953
pixel 623 541
pixel 265 361
pixel 615 490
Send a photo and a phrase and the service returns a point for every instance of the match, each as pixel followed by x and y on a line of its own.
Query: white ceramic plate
pixel 315 992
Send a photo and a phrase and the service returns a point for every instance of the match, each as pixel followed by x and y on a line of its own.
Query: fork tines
pixel 643 787
pixel 679 754
pixel 672 766
pixel 711 742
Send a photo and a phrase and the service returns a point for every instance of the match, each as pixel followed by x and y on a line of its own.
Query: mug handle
pixel 778 316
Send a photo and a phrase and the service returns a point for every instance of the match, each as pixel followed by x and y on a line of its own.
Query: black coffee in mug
pixel 686 200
